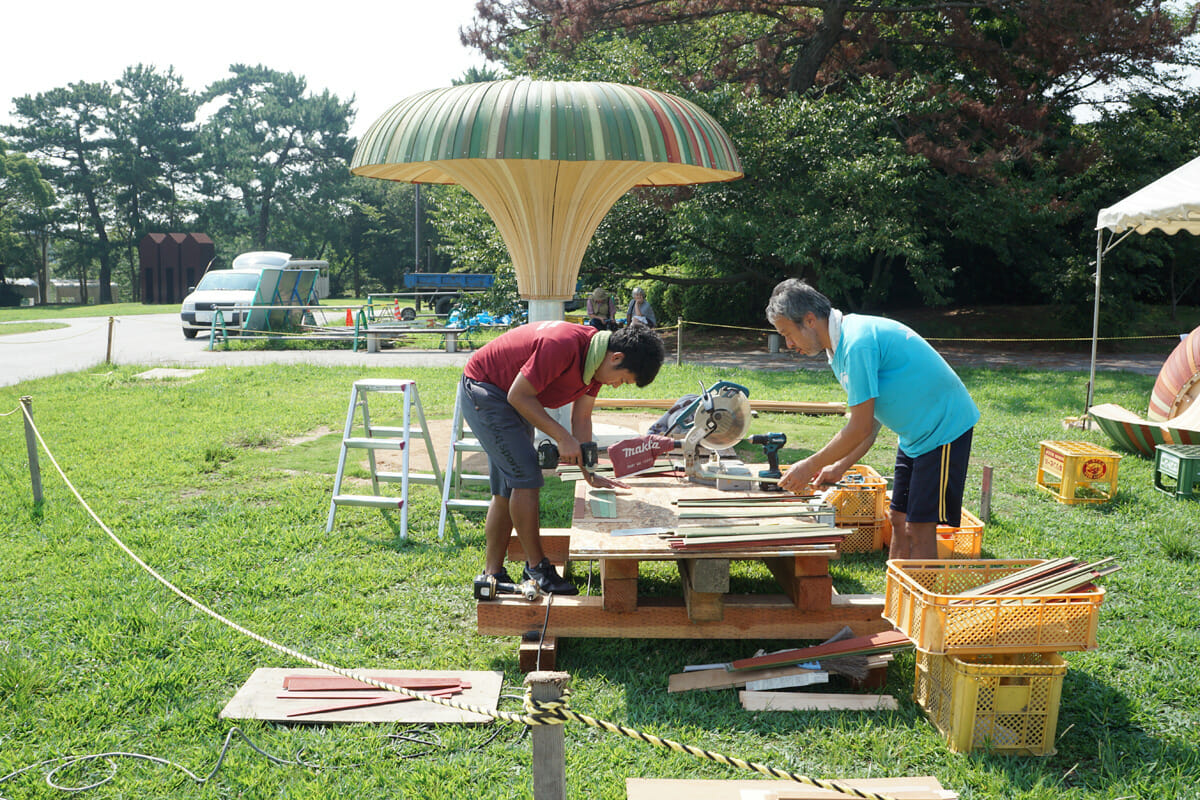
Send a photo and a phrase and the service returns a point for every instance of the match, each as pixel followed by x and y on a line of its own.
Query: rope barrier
pixel 963 339
pixel 536 713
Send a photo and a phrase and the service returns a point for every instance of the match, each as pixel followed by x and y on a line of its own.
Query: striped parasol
pixel 547 159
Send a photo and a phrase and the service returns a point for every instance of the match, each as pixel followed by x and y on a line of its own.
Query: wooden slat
pixel 874 642
pixel 815 701
pixel 721 678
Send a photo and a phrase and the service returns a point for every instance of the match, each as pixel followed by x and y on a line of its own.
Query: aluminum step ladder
pixel 455 479
pixel 372 438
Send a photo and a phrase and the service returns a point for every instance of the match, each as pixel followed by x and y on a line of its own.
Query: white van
pixel 232 290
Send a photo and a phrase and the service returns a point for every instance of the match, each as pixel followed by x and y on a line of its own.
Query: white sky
pixel 375 51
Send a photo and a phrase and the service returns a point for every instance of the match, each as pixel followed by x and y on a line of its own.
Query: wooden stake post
pixel 31 449
pixel 549 749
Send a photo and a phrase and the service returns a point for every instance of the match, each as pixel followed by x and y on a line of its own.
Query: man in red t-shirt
pixel 506 388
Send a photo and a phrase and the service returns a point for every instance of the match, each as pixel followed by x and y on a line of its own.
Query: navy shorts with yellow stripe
pixel 929 488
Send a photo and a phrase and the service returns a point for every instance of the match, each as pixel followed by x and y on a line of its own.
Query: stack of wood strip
pixel 798 667
pixel 1058 576
pixel 688 538
pixel 351 693
pixel 885 642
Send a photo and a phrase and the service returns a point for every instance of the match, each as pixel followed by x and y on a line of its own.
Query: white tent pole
pixel 1095 319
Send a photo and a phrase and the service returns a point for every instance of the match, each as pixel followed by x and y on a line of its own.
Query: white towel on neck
pixel 835 332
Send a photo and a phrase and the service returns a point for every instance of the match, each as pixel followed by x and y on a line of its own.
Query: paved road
pixel 156 340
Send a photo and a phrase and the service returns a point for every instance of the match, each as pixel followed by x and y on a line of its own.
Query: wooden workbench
pixel 807 606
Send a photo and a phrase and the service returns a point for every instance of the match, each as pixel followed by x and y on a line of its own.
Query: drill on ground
pixel 771 444
pixel 488 588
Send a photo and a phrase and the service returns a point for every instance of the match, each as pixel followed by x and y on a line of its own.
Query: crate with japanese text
pixel 1077 472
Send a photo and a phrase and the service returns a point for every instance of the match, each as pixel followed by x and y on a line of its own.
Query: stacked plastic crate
pixel 860 504
pixel 988 672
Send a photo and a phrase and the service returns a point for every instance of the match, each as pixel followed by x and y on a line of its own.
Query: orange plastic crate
pixel 921 599
pixel 862 502
pixel 965 541
pixel 864 539
pixel 1004 703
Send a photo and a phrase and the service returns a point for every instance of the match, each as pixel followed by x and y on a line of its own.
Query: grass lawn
pixel 221 482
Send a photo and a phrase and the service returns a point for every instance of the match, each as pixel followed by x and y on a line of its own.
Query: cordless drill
pixel 548 454
pixel 771 443
pixel 488 588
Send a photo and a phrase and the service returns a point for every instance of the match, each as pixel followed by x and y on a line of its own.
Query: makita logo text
pixel 644 447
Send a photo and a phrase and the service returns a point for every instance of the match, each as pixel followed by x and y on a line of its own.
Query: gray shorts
pixel 504 434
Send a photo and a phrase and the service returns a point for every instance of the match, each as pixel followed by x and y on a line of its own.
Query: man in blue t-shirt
pixel 891 377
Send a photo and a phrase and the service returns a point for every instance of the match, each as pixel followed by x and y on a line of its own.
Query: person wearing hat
pixel 601 310
pixel 640 311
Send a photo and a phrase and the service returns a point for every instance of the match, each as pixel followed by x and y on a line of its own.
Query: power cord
pixel 111 757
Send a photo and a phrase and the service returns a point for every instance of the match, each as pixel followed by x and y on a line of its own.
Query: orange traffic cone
pixel 349 318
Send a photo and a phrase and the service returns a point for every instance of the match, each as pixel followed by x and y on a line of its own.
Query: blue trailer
pixel 441 289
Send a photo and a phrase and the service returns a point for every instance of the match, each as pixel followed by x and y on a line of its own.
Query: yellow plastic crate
pixel 864 539
pixel 965 541
pixel 1007 704
pixel 1077 472
pixel 863 501
pixel 922 600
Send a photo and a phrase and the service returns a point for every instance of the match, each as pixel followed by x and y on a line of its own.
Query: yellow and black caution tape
pixel 536 713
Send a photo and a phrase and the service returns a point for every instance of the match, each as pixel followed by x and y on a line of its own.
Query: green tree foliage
pixel 153 158
pixel 898 154
pixel 273 156
pixel 1139 144
pixel 25 198
pixel 68 131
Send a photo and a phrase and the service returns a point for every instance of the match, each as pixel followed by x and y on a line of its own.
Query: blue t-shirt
pixel 916 392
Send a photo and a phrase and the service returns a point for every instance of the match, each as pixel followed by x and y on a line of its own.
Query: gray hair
pixel 793 299
pixel 638 291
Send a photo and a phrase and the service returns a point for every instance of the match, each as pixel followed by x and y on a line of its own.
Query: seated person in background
pixel 640 310
pixel 601 310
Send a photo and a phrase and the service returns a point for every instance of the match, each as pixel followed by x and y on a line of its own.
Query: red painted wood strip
pixel 362 703
pixel 888 640
pixel 325 683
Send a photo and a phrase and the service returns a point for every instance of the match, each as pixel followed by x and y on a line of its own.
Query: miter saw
pixel 720 418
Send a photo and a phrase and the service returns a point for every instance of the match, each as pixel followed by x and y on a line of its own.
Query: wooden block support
pixel 534 655
pixel 805 580
pixel 705 582
pixel 618 584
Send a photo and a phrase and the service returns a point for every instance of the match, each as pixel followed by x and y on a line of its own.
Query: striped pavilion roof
pixel 547 121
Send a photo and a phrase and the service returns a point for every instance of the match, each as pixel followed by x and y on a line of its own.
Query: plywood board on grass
pixel 258 699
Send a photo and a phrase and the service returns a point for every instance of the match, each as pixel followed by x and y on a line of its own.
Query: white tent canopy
pixel 1171 204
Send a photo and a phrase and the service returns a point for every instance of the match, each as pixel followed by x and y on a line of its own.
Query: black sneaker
pixel 501 577
pixel 547 578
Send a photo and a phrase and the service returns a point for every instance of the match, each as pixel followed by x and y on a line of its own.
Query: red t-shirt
pixel 549 354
